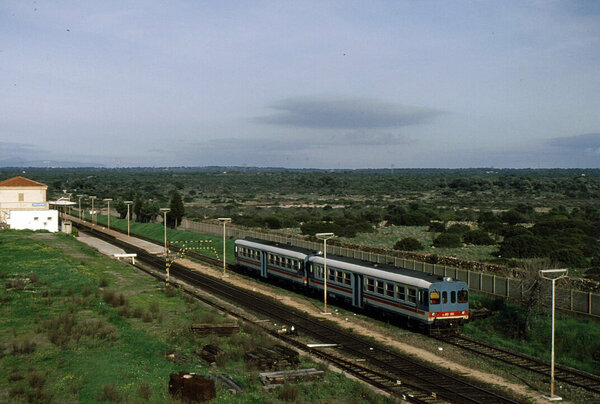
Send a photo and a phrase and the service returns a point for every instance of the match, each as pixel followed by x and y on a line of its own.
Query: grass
pixel 67 339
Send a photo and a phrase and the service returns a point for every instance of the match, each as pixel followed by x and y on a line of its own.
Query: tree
pixel 177 210
pixel 121 208
pixel 137 208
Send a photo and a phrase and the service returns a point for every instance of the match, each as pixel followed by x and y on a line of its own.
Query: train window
pixel 389 289
pixel 400 292
pixel 423 299
pixel 453 297
pixel 412 295
pixel 339 276
pixel 380 287
pixel 347 278
pixel 463 296
pixel 444 297
pixel 434 297
pixel 331 274
pixel 370 284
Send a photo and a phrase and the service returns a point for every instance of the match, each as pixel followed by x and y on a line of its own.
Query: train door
pixel 357 287
pixel 263 264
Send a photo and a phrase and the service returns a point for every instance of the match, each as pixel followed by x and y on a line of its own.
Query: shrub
pixel 569 257
pixel 512 217
pixel 170 291
pixel 147 317
pixel 458 228
pixel 144 390
pixel 478 237
pixel 103 282
pixel 526 246
pixel 154 306
pixel 448 240
pixel 23 346
pixel 110 393
pixel 138 312
pixel 36 380
pixel 437 227
pixel 408 244
pixel 288 393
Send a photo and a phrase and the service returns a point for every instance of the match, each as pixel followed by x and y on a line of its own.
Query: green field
pixel 76 326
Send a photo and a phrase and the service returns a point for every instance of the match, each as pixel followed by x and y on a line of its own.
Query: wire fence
pixel 567 299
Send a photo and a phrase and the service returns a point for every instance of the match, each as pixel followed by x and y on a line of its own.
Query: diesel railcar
pixel 435 301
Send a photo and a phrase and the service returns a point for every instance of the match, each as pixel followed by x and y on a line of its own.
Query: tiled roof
pixel 20 182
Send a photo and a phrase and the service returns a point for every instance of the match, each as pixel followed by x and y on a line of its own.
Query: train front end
pixel 448 304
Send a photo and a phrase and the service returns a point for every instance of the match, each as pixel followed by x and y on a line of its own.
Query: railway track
pixel 378 365
pixel 574 377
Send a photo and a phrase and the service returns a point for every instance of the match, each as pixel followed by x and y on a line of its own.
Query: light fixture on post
pixel 553 275
pixel 128 203
pixel 107 200
pixel 80 196
pixel 224 220
pixel 165 211
pixel 325 237
pixel 93 197
pixel 167 263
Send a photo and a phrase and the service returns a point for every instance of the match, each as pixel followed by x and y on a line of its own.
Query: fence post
pixel 590 303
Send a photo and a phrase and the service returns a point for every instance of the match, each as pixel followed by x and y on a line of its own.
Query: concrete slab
pixel 102 246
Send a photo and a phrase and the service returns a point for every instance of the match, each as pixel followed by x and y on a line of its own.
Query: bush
pixel 448 240
pixel 144 390
pixel 458 228
pixel 110 393
pixel 526 246
pixel 170 291
pixel 288 393
pixel 437 227
pixel 103 282
pixel 512 217
pixel 408 244
pixel 478 237
pixel 569 257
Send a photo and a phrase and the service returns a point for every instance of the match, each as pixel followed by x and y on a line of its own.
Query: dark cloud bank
pixel 346 114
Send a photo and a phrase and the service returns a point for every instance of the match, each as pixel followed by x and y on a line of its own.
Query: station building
pixel 23 205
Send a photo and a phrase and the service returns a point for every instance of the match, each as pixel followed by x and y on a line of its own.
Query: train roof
pixel 285 249
pixel 368 268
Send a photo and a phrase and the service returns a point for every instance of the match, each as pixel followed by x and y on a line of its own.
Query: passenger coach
pixel 429 299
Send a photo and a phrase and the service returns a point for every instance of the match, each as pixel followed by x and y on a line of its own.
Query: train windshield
pixel 434 297
pixel 463 296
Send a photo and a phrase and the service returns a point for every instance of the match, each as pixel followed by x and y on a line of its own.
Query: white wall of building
pixel 33 220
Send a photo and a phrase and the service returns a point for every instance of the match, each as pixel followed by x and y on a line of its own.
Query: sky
pixel 301 84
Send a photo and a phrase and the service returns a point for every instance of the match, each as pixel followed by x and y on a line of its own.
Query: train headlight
pixel 462 312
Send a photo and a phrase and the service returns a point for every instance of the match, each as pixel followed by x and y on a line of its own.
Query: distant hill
pixel 22 163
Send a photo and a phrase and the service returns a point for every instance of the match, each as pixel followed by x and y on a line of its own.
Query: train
pixel 435 302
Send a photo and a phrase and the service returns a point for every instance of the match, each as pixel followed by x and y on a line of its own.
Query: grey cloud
pixel 13 150
pixel 346 114
pixel 588 143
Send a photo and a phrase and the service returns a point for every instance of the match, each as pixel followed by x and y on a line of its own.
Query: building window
pixel 21 197
pixel 35 218
pixel 49 217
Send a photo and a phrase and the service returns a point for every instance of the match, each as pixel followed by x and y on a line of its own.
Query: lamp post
pixel 93 211
pixel 80 196
pixel 107 200
pixel 165 210
pixel 553 275
pixel 128 203
pixel 324 237
pixel 224 220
